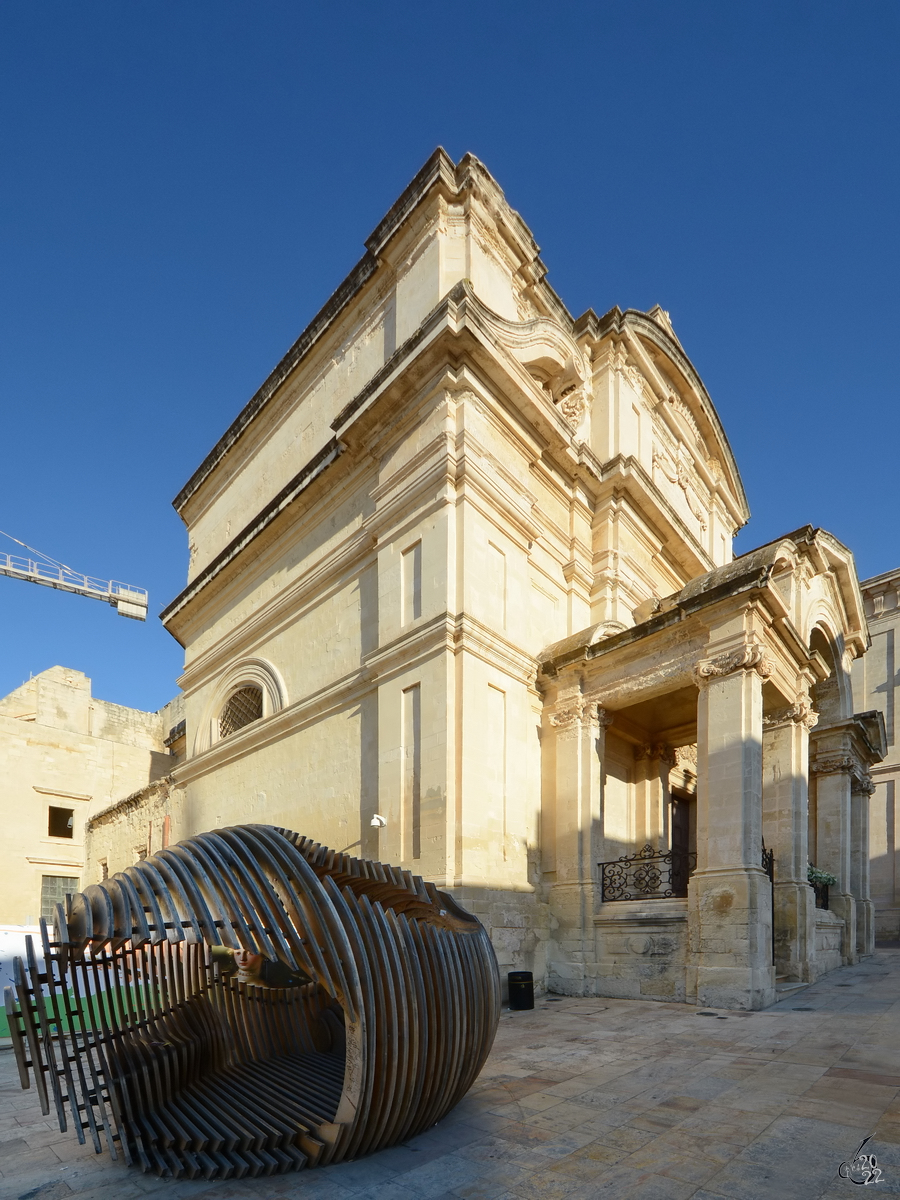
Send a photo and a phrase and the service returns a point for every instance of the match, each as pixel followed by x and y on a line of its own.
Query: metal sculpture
pixel 375 1010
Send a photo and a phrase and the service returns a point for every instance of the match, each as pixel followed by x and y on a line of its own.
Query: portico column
pixel 653 762
pixel 861 788
pixel 579 729
pixel 786 828
pixel 833 774
pixel 729 898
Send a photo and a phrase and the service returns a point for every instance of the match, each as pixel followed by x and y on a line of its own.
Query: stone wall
pixel 146 821
pixel 66 755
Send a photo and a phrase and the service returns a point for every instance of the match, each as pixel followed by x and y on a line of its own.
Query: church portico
pixel 701 718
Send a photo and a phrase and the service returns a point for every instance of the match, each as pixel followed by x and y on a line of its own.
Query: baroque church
pixel 462 599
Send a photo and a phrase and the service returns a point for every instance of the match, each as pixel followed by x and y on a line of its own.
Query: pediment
pixel 686 425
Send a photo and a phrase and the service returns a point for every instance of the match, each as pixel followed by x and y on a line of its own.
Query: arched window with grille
pixel 251 690
pixel 241 708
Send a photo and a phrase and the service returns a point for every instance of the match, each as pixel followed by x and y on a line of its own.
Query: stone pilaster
pixel 786 831
pixel 861 788
pixel 833 778
pixel 653 762
pixel 579 730
pixel 729 895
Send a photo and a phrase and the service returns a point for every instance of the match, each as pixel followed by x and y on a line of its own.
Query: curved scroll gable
pixel 550 354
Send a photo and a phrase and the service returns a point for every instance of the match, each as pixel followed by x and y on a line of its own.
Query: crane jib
pixel 127 600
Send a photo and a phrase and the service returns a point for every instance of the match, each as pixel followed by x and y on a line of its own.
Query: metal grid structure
pixel 133 1031
pixel 243 707
pixel 127 600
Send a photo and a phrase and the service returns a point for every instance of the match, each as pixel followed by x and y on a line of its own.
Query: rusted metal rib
pixel 131 1025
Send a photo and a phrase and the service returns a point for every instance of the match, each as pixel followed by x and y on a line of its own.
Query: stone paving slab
pixel 583 1099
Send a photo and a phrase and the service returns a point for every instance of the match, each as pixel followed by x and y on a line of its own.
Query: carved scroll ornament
pixel 656 752
pixel 680 475
pixel 832 765
pixel 800 713
pixel 572 405
pixel 378 1011
pixel 686 758
pixel 749 657
pixel 572 712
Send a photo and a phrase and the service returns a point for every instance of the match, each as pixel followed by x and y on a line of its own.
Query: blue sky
pixel 183 185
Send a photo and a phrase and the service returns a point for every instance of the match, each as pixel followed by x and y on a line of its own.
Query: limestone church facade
pixel 462 598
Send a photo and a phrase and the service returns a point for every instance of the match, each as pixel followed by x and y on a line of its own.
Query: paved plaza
pixel 594 1098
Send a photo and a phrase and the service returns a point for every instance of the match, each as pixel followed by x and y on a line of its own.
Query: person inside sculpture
pixel 244 966
pixel 249 968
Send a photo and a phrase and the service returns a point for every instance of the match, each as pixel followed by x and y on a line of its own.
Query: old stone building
pixel 66 756
pixel 876 685
pixel 462 597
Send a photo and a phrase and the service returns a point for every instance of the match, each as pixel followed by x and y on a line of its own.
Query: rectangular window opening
pixel 54 889
pixel 61 822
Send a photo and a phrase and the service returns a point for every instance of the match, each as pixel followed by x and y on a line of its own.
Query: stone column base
pixel 843 905
pixel 865 927
pixel 729 923
pixel 795 931
pixel 572 968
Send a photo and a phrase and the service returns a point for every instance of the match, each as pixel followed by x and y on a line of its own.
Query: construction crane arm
pixel 128 601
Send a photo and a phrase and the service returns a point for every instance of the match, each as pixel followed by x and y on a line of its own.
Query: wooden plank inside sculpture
pixel 250 1002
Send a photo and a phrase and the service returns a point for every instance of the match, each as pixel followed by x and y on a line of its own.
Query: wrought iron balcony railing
pixel 648 875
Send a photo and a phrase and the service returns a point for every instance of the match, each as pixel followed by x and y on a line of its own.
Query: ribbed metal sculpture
pixel 380 1008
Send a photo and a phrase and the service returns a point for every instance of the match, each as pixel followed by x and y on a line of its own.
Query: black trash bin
pixel 521 989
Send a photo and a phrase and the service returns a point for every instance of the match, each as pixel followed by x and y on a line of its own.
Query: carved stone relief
pixel 656 752
pixel 749 657
pixel 686 758
pixel 834 764
pixel 800 712
pixel 675 470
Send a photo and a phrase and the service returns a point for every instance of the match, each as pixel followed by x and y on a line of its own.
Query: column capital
pixel 750 656
pixel 656 752
pixel 862 782
pixel 801 712
pixel 605 718
pixel 565 717
pixel 573 712
pixel 832 765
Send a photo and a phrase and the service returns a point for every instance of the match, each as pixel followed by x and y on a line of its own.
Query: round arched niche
pixel 250 691
pixel 831 697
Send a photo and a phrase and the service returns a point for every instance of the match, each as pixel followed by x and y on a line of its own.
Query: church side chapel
pixel 462 598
